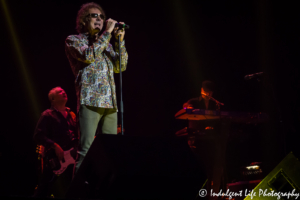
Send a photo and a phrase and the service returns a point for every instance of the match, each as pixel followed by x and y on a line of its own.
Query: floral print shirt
pixel 93 66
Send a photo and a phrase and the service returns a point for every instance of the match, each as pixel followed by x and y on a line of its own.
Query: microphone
pixel 120 26
pixel 251 76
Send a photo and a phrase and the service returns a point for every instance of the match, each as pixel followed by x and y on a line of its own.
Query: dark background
pixel 173 46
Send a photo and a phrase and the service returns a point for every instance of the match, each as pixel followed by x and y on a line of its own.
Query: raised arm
pixel 124 60
pixel 79 49
pixel 115 54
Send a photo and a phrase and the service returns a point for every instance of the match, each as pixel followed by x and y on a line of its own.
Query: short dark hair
pixel 82 15
pixel 208 86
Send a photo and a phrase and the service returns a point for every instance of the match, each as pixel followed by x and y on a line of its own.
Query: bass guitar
pixel 51 160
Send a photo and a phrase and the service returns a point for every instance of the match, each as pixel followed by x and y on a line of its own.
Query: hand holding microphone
pixel 119 30
pixel 110 25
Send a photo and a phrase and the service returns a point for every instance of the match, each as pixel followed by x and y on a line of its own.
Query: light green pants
pixel 89 118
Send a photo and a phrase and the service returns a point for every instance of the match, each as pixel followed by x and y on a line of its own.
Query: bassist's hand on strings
pixel 59 152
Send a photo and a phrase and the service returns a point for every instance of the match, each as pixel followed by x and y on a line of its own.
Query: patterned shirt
pixel 93 66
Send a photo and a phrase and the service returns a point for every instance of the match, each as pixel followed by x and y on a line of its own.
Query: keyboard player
pixel 204 101
pixel 206 137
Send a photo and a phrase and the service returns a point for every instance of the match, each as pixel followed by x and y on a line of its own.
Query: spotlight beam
pixel 21 60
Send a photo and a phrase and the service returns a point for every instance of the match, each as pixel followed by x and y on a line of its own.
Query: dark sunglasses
pixel 95 15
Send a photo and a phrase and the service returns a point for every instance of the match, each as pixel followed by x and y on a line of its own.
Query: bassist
pixel 56 132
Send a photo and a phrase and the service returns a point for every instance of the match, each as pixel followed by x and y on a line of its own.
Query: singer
pixel 94 61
